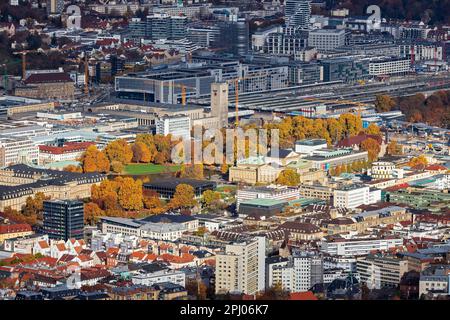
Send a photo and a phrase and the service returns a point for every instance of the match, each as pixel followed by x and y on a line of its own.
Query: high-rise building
pixel 241 267
pixel 298 13
pixel 64 219
pixel 219 102
pixel 308 270
pixel 55 6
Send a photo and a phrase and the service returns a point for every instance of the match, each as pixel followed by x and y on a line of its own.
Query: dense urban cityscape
pixel 224 150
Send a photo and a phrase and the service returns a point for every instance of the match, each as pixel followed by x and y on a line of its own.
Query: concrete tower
pixel 219 102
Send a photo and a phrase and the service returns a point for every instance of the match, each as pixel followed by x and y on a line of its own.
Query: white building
pixel 326 39
pixel 273 192
pixel 353 196
pixel 177 126
pixel 148 279
pixel 298 273
pixel 241 268
pixel 163 231
pixel 307 146
pixel 385 170
pixel 359 246
pixel 389 66
pixel 15 150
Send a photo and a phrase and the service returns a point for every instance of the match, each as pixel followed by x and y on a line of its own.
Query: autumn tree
pixel 210 198
pixel 119 150
pixel 73 168
pixel 384 103
pixel 129 193
pixel 373 129
pixel 393 148
pixel 372 147
pixel 184 197
pixel 94 160
pixel 193 171
pixel 288 177
pixel 141 153
pixel 418 161
pixel 34 205
pixel 92 212
pixel 117 166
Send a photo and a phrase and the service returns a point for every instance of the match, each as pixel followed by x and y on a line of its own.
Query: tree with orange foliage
pixel 372 147
pixel 184 197
pixel 119 150
pixel 94 160
pixel 130 193
pixel 418 161
pixel 92 212
pixel 73 168
pixel 373 129
pixel 141 153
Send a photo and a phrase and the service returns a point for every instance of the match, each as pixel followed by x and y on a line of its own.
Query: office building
pixel 160 276
pixel 271 192
pixel 178 126
pixel 326 39
pixel 353 196
pixel 64 219
pixel 346 69
pixel 331 158
pixel 389 66
pixel 358 246
pixel 241 267
pixel 159 26
pixel 298 13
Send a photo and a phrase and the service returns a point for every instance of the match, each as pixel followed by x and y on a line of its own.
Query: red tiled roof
pixel 13 228
pixel 67 148
pixel 48 78
pixel 308 295
pixel 436 167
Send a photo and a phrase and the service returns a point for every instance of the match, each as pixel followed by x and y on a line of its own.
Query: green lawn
pixel 149 168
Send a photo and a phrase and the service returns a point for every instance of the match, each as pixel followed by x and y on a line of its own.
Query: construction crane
pixel 5 72
pixel 235 82
pixel 86 74
pixel 24 61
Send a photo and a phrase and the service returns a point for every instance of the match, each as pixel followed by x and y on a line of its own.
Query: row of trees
pixel 147 148
pixel 332 130
pixel 124 197
pixel 31 212
pixel 434 110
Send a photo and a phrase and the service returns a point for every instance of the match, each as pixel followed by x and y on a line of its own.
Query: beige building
pixel 53 86
pixel 360 222
pixel 378 271
pixel 22 181
pixel 241 267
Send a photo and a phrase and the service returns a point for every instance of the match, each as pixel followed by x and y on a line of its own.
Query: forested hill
pixel 430 11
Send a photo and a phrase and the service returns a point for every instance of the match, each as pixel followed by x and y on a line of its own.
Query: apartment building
pixel 378 271
pixel 160 276
pixel 296 273
pixel 241 267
